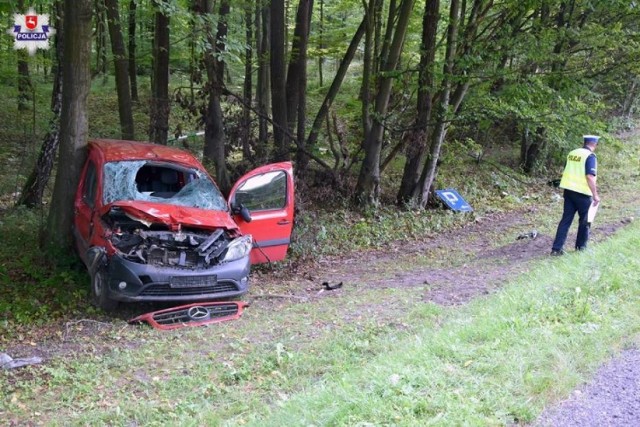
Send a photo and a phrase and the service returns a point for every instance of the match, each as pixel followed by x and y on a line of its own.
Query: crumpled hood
pixel 172 215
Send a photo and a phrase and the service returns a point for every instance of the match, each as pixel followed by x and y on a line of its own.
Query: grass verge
pixel 496 361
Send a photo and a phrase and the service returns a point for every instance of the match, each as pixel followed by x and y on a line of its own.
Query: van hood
pixel 174 215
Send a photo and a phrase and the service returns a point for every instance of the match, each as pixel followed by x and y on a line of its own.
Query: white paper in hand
pixel 593 210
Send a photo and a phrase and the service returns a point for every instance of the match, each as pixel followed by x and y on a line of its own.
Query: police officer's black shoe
pixel 557 253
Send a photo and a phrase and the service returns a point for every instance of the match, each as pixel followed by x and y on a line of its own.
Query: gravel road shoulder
pixel 611 398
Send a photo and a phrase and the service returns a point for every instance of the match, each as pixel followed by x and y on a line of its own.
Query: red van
pixel 151 225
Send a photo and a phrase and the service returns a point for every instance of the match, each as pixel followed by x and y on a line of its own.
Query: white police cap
pixel 591 138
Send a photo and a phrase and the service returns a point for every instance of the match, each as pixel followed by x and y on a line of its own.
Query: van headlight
pixel 238 248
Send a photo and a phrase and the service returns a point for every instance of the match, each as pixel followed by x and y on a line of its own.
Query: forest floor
pixel 448 269
pixel 451 268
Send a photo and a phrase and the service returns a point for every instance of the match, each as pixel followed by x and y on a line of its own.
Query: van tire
pixel 100 292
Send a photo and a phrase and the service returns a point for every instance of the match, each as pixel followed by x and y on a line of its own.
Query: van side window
pixel 90 185
pixel 263 192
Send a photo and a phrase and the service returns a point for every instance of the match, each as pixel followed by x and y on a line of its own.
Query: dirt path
pixel 454 267
pixel 449 269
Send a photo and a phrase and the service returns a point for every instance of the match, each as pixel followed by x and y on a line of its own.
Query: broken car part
pixel 197 314
pixel 7 362
pixel 328 287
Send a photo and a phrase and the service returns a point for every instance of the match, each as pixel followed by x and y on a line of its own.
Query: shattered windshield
pixel 160 183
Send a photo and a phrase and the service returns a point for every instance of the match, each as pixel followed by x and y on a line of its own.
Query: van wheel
pixel 100 293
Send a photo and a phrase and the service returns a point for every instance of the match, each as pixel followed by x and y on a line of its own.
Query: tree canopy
pixel 348 87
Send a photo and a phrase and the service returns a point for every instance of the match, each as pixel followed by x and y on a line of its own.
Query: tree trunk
pixel 73 123
pixel 367 66
pixel 382 47
pixel 278 81
pixel 215 138
pixel 429 172
pixel 530 139
pixel 297 79
pixel 630 97
pixel 133 72
pixel 321 45
pixel 417 137
pixel 247 88
pixel 263 84
pixel 335 85
pixel 25 89
pixel 368 186
pixel 101 39
pixel 532 145
pixel 122 75
pixel 36 183
pixel 160 106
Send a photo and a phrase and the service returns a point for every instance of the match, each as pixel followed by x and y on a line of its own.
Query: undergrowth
pixel 36 287
pixel 37 290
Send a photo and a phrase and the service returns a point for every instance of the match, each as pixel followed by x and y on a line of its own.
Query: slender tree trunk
pixel 101 39
pixel 368 186
pixel 25 88
pixel 321 45
pixel 532 137
pixel 335 85
pixel 532 145
pixel 382 49
pixel 428 175
pixel 630 97
pixel 214 143
pixel 160 106
pixel 36 183
pixel 74 124
pixel 122 75
pixel 416 138
pixel 297 79
pixel 133 72
pixel 367 66
pixel 278 81
pixel 247 88
pixel 215 138
pixel 264 78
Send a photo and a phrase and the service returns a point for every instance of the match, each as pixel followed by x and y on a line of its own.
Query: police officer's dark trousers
pixel 573 202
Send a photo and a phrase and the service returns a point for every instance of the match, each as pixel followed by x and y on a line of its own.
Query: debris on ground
pixel 530 235
pixel 329 287
pixel 198 314
pixel 7 362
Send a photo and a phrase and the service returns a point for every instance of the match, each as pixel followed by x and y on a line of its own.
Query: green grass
pixel 35 288
pixel 496 361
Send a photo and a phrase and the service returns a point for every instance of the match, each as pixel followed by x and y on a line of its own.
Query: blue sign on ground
pixel 452 199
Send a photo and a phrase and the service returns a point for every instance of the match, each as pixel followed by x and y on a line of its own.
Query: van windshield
pixel 157 182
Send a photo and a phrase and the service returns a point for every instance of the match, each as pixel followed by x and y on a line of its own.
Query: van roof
pixel 115 149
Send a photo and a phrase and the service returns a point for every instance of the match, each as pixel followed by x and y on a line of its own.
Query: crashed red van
pixel 151 225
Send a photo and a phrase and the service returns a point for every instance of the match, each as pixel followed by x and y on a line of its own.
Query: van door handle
pixel 284 222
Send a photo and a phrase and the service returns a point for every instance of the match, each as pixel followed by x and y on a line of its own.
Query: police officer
pixel 580 190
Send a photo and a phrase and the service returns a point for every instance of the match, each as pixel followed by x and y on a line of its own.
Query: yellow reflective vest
pixel 574 176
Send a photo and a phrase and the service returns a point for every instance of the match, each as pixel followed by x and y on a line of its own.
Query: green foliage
pixel 36 286
pixel 343 230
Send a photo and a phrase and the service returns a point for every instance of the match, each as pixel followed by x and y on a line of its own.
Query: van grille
pixel 165 290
